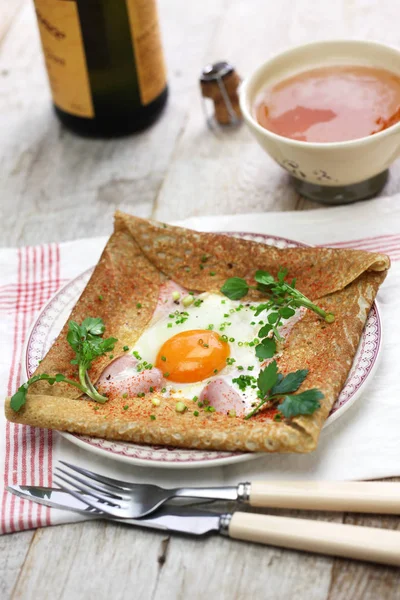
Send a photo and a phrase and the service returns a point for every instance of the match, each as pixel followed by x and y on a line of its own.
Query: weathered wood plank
pixel 363 581
pixel 91 560
pixel 99 560
pixel 13 551
pixel 221 568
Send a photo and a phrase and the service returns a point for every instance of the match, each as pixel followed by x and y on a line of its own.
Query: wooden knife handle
pixel 356 496
pixel 351 541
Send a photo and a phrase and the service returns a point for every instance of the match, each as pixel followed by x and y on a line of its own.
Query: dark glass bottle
pixel 105 63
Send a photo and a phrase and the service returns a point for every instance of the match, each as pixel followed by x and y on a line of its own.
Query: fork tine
pixel 99 488
pixel 102 478
pixel 109 510
pixel 87 490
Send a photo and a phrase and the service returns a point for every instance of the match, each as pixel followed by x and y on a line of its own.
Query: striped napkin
pixel 364 443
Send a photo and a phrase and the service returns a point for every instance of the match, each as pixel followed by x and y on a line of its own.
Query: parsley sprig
pixel 87 342
pixel 283 300
pixel 278 390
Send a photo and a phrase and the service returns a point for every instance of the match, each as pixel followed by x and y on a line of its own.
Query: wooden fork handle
pixel 356 496
pixel 351 541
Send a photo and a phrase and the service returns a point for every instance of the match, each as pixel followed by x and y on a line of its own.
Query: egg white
pixel 224 316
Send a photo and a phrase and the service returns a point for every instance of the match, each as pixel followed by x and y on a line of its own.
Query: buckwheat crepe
pixel 141 255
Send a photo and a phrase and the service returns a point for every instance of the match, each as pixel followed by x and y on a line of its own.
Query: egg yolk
pixel 192 356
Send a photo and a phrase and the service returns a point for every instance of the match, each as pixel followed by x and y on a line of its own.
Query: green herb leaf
pixel 87 343
pixel 235 288
pixel 286 312
pixel 282 274
pixel 264 331
pixel 290 383
pixel 266 349
pixel 94 326
pixel 264 278
pixel 18 400
pixel 273 318
pixel 267 378
pixel 301 404
pixel 261 307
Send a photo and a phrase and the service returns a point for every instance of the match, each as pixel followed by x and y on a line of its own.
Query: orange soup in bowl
pixel 331 104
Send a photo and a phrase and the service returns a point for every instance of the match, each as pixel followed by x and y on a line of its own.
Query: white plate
pixel 53 316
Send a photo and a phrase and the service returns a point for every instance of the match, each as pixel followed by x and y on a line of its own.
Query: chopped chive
pixel 204 258
pixel 126 407
pixel 100 297
pixel 187 301
pixel 163 390
pixel 231 339
pixel 164 358
pixel 212 273
pixel 125 348
pixel 196 413
pixel 166 374
pixel 138 305
pixel 153 417
pixel 125 395
pixel 195 398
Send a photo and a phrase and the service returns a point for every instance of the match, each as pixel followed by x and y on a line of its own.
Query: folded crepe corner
pixel 139 256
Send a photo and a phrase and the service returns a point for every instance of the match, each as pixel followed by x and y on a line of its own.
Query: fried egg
pixel 195 347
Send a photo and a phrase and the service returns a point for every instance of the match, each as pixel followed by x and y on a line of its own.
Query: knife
pixel 351 541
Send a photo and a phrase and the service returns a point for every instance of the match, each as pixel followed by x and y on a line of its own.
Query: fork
pixel 122 499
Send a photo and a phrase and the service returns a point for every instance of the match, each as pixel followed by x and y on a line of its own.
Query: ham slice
pixel 223 397
pixel 122 377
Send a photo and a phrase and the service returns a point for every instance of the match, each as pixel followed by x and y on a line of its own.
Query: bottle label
pixel 148 51
pixel 64 53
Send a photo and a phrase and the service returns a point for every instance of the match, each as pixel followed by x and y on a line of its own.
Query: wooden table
pixel 56 187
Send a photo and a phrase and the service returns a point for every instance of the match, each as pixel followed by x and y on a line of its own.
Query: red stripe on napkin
pixel 387 244
pixel 28 456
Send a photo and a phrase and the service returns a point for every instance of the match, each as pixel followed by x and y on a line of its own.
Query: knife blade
pixel 179 519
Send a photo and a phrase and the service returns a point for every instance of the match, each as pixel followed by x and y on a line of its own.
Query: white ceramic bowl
pixel 325 164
